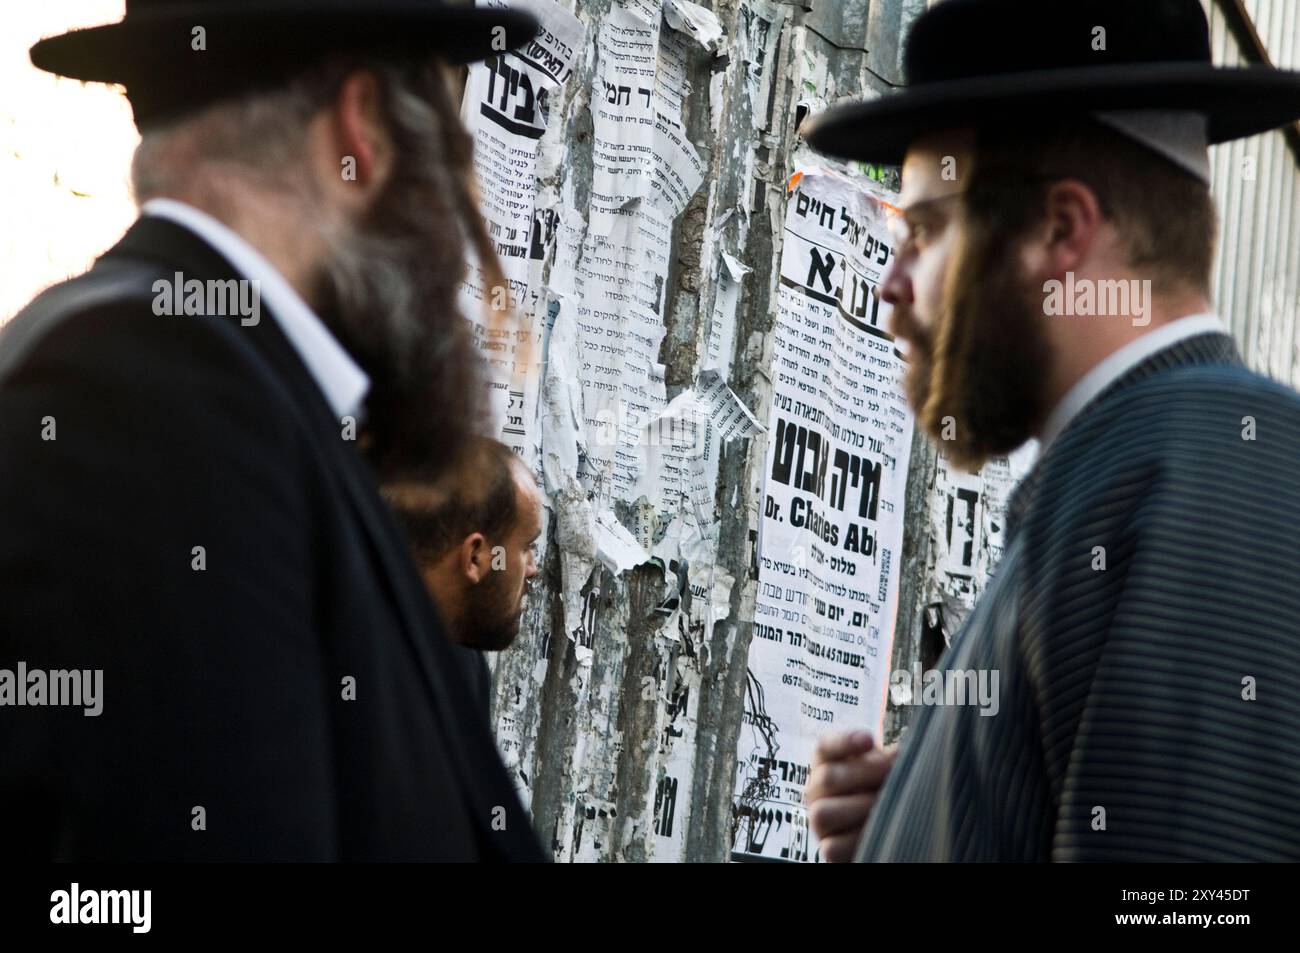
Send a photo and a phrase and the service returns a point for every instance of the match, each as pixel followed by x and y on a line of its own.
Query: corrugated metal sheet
pixel 1257 185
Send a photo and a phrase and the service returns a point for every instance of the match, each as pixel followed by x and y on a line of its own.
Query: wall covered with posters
pixel 702 381
pixel 745 534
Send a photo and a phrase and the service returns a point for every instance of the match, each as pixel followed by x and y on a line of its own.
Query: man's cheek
pixel 930 300
pixel 932 274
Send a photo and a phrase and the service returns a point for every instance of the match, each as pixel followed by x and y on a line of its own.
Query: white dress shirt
pixel 343 383
pixel 1114 366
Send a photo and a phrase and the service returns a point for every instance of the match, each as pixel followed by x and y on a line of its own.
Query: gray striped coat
pixel 1145 627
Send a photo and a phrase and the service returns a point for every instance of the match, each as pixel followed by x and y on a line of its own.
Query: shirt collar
pixel 340 379
pixel 1112 367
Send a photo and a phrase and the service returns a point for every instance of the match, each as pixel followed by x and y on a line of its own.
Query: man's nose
pixel 895 288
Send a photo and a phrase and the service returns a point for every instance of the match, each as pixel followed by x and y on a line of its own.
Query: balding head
pixel 472 527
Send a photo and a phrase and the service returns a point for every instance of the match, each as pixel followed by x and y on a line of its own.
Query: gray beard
pixel 390 299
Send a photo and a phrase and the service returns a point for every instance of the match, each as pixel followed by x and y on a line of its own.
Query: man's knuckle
pixel 827 744
pixel 835 849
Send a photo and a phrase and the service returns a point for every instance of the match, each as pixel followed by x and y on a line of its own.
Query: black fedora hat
pixel 1018 61
pixel 153 51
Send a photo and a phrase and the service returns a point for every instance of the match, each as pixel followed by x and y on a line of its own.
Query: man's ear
pixel 363 154
pixel 475 558
pixel 1072 225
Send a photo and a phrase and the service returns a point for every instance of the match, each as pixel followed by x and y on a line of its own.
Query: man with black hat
pixel 1051 280
pixel 186 509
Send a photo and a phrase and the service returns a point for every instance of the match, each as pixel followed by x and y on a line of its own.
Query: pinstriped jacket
pixel 1148 710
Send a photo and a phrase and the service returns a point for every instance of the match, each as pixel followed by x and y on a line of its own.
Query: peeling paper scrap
pixel 669 547
pixel 694 20
pixel 716 100
pixel 562 434
pixel 646 11
pixel 711 401
pixel 725 411
pixel 575 535
pixel 683 440
pixel 615 546
pixel 719 601
pixel 736 267
pixel 722 323
pixel 698 548
pixel 575 529
pixel 685 539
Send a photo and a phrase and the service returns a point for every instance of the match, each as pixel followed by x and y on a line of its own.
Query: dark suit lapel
pixel 481 779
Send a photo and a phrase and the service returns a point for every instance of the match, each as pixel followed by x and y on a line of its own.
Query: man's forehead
pixel 528 492
pixel 936 164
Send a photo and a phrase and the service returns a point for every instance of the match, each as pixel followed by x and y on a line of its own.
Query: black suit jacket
pixel 222 687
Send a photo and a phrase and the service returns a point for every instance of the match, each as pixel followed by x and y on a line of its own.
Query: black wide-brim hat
pixel 151 51
pixel 971 62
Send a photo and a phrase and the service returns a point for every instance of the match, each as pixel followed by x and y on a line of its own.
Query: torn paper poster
pixel 957 517
pixel 726 418
pixel 615 546
pixel 563 436
pixel 693 549
pixel 967 525
pixel 616 306
pixel 505 108
pixel 678 738
pixel 640 149
pixel 722 322
pixel 724 411
pixel 563 449
pixel 710 403
pixel 758 33
pixel 695 20
pixel 553 52
pixel 679 447
pixel 608 271
pixel 649 12
pixel 839 438
pixel 672 88
pixel 571 233
pixel 575 535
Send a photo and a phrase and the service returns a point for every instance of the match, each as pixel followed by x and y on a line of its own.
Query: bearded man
pixel 185 504
pixel 1052 280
